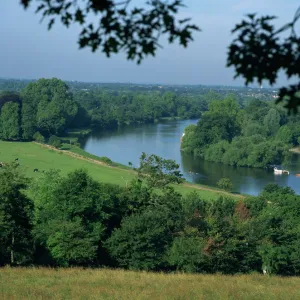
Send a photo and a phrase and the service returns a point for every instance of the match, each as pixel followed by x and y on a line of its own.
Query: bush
pixel 225 184
pixel 38 137
pixel 187 254
pixel 65 147
pixel 106 160
pixel 141 241
pixel 54 141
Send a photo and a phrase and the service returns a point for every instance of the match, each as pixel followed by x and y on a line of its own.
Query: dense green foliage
pixel 110 109
pixel 49 107
pixel 71 213
pixel 45 106
pixel 76 220
pixel 158 172
pixel 52 107
pixel 16 216
pixel 257 135
pixel 54 141
pixel 10 121
pixel 225 184
pixel 39 138
pixel 135 246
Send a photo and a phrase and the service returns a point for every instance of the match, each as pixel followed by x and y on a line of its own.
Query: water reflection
pixel 127 144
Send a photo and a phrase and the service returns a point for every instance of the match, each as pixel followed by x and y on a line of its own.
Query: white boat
pixel 280 171
pixel 182 136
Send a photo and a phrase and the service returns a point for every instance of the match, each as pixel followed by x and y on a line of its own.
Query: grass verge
pixel 77 283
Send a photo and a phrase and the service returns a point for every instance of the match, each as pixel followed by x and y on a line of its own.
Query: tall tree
pixel 10 121
pixel 142 241
pixel 158 172
pixel 70 217
pixel 16 216
pixel 47 106
pixel 272 121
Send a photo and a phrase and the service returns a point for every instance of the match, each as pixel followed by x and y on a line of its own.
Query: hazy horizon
pixel 146 83
pixel 29 51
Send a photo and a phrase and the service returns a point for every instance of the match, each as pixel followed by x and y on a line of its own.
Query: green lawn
pixel 32 155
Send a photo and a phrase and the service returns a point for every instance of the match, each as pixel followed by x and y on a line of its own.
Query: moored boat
pixel 182 137
pixel 279 171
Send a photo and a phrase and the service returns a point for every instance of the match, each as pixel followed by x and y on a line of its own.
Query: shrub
pixel 54 141
pixel 65 147
pixel 141 241
pixel 225 184
pixel 38 137
pixel 187 254
pixel 106 160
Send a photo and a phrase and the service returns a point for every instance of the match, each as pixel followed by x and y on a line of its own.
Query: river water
pixel 126 145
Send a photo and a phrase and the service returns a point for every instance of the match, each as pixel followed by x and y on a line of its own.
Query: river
pixel 126 145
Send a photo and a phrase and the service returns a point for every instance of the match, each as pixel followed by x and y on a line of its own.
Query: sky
pixel 29 51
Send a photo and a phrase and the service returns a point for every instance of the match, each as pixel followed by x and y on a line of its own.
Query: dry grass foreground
pixel 76 283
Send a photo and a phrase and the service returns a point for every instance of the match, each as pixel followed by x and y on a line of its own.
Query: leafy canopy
pixel 10 121
pixel 120 26
pixel 259 52
pixel 225 183
pixel 158 172
pixel 70 213
pixel 16 217
pixel 141 241
pixel 54 141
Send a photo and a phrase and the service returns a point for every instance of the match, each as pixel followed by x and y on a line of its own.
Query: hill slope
pixel 35 156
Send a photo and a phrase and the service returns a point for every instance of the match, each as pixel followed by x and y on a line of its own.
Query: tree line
pixel 48 107
pixel 45 107
pixel 259 134
pixel 110 109
pixel 74 220
pixel 31 110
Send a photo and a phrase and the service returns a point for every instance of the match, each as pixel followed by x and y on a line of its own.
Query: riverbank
pixel 105 161
pixel 163 139
pixel 44 157
pixel 78 283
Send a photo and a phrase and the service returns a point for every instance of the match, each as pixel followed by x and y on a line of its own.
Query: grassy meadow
pixel 76 283
pixel 35 156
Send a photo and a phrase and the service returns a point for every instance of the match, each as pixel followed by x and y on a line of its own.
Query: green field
pixel 77 283
pixel 32 155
